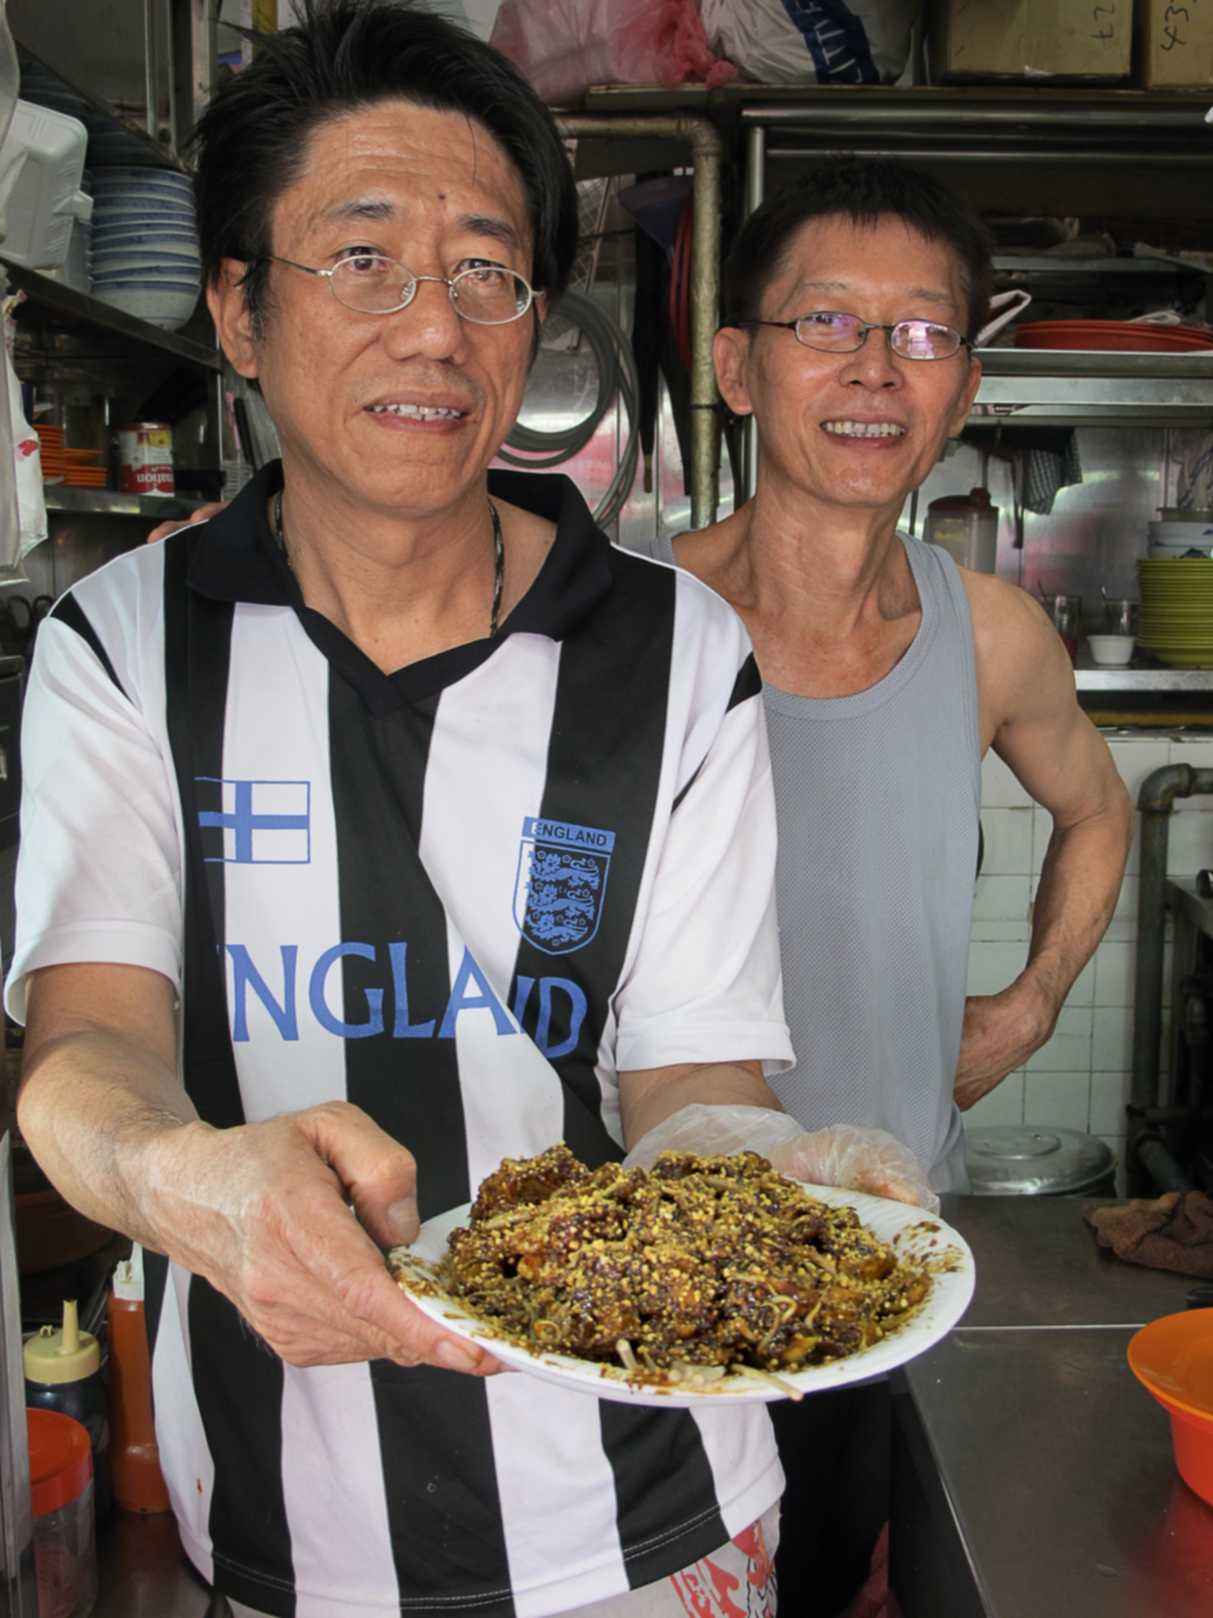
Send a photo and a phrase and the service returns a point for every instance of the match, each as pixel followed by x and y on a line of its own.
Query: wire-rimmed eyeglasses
pixel 372 284
pixel 831 331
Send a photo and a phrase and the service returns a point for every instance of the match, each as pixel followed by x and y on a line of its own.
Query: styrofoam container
pixel 74 271
pixel 41 165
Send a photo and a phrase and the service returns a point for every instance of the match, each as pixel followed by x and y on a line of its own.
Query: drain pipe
pixel 1155 799
pixel 704 140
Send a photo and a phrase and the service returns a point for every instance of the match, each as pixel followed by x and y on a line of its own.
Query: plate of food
pixel 702 1279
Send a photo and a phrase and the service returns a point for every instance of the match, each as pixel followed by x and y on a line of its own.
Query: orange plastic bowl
pixel 1173 1359
pixel 1120 335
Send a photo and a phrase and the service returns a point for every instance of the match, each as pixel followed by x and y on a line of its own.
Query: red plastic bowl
pixel 1173 1359
pixel 1121 335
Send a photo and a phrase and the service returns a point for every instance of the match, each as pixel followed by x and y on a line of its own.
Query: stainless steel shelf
pixel 69 308
pixel 1016 106
pixel 100 119
pixel 1035 149
pixel 111 503
pixel 1075 387
pixel 1124 680
pixel 1074 265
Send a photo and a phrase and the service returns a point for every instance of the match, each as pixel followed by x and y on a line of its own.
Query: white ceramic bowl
pixel 126 241
pixel 1111 651
pixel 150 197
pixel 1197 532
pixel 104 180
pixel 141 207
pixel 167 307
pixel 141 258
pixel 1163 553
pixel 173 276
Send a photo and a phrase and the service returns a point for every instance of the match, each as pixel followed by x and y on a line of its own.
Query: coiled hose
pixel 541 451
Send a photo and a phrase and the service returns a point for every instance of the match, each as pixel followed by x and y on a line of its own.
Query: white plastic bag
pixel 10 83
pixel 812 41
pixel 844 1155
pixel 563 46
pixel 22 507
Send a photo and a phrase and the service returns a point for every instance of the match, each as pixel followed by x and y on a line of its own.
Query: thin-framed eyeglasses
pixel 373 284
pixel 831 331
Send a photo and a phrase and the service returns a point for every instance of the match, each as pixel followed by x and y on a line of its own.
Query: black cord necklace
pixel 498 556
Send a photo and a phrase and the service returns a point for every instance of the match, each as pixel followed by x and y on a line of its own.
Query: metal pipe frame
pixel 1158 793
pixel 997 156
pixel 192 56
pixel 753 197
pixel 1176 1115
pixel 1149 1152
pixel 151 66
pixel 944 110
pixel 704 140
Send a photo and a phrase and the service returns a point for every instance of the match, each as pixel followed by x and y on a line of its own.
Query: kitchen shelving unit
pixel 61 497
pixel 68 336
pixel 1088 388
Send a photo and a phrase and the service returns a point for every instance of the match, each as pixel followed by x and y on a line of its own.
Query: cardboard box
pixel 1177 44
pixel 1033 39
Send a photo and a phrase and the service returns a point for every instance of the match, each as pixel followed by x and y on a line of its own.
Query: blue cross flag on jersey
pixel 561 883
pixel 255 822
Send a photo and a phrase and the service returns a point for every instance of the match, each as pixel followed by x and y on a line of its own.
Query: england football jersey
pixel 464 896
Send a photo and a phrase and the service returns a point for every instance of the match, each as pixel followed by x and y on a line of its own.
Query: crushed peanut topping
pixel 697 1263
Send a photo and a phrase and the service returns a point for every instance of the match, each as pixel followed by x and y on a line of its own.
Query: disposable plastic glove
pixel 843 1155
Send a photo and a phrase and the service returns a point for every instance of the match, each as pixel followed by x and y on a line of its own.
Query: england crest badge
pixel 561 883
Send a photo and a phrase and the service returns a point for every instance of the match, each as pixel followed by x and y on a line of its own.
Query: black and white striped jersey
pixel 464 896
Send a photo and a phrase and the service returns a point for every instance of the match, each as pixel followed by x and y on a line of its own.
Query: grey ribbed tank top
pixel 878 798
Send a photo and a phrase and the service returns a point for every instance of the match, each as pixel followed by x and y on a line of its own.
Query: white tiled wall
pixel 1080 1079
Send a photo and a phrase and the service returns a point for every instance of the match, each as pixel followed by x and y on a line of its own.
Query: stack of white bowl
pixel 1179 532
pixel 145 244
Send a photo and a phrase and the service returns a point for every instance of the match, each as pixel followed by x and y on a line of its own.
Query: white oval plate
pixel 913 1233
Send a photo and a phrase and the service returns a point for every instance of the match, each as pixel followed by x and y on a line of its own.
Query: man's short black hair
pixel 251 141
pixel 862 190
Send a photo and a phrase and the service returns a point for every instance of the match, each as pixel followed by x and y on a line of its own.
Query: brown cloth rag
pixel 1171 1232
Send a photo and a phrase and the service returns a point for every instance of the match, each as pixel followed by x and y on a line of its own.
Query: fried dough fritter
pixel 697 1262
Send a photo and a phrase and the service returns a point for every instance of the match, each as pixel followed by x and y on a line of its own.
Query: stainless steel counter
pixel 1032 1474
pixel 1038 1265
pixel 1056 1470
pixel 143 1573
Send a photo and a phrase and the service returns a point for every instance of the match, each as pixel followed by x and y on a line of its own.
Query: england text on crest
pixel 560 883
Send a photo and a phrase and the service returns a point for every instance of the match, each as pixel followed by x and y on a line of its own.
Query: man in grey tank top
pixel 851 303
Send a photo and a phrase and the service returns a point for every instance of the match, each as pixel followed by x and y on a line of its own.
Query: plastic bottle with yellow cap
pixel 63 1373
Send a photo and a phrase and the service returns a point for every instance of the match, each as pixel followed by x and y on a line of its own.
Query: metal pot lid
pixel 1033 1160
